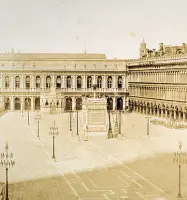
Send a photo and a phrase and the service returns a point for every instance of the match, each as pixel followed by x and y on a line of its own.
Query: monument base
pixel 96 133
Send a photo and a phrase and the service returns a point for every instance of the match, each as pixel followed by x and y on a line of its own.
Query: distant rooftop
pixel 49 56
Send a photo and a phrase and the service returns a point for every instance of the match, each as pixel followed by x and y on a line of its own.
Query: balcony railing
pixel 63 90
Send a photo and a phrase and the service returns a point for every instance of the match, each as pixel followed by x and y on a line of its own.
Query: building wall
pixel 159 87
pixel 61 69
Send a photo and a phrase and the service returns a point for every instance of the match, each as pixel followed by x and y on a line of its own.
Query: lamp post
pixel 78 137
pixel 110 135
pixel 53 132
pixel 28 103
pixel 120 122
pixel 180 157
pixel 38 117
pixel 7 161
pixel 148 118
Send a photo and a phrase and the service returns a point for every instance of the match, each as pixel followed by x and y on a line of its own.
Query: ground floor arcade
pixel 170 110
pixel 65 103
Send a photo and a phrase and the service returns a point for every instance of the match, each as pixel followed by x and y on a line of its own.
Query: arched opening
pixel 120 104
pixel 172 112
pixel 38 82
pixel 47 104
pixel 37 103
pixel 17 82
pixel 109 103
pixel 58 82
pixel 48 82
pixel 68 104
pixel 7 82
pixel 7 103
pixel 109 82
pixel 180 113
pixel 167 111
pixel 27 103
pixel 159 110
pixel 138 106
pixel 79 82
pixel 78 104
pixel 148 108
pixel 27 82
pixel 99 82
pixel 119 82
pixel 141 107
pixel 152 109
pixel 155 107
pixel 163 110
pixel 68 82
pixel 177 112
pixel 89 82
pixel 17 103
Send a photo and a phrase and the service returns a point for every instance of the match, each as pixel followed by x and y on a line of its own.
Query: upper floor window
pixel 27 82
pixel 109 82
pixel 79 82
pixel 7 82
pixel 38 82
pixel 68 82
pixel 119 82
pixel 99 82
pixel 89 82
pixel 58 82
pixel 17 82
pixel 48 82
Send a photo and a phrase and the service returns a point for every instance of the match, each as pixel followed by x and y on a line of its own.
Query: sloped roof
pixel 49 56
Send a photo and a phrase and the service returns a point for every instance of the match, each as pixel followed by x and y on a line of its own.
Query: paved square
pixel 137 167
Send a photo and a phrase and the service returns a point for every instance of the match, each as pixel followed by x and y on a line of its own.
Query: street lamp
pixel 54 132
pixel 28 104
pixel 110 135
pixel 148 120
pixel 38 117
pixel 7 161
pixel 180 157
pixel 78 126
pixel 120 121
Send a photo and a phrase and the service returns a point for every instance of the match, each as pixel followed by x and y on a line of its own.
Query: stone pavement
pixel 94 169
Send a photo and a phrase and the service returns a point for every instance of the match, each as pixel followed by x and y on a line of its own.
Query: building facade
pixel 29 81
pixel 158 82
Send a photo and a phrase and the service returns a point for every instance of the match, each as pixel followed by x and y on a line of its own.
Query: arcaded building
pixel 31 80
pixel 158 82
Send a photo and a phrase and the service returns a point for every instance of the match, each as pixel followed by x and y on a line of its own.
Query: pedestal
pixel 94 117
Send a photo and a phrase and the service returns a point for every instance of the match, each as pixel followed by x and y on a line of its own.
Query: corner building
pixel 31 80
pixel 158 82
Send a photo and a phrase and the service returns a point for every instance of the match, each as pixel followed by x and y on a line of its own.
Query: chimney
pixel 154 52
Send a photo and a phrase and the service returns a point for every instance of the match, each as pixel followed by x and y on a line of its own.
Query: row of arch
pixel 158 76
pixel 110 103
pixel 27 103
pixel 157 109
pixel 69 82
pixel 173 93
pixel 17 103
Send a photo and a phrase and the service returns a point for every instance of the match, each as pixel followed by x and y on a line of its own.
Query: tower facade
pixel 143 49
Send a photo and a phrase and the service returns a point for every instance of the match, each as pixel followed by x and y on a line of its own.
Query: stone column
pixel 104 82
pixel 174 114
pixel 11 103
pixel 73 103
pixel 62 81
pixel 32 103
pixel 22 103
pixel 184 113
pixel 114 103
pixel 114 82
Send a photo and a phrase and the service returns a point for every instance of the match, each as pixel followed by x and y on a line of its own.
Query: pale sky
pixel 113 27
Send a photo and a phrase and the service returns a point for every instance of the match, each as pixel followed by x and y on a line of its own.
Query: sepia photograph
pixel 93 100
